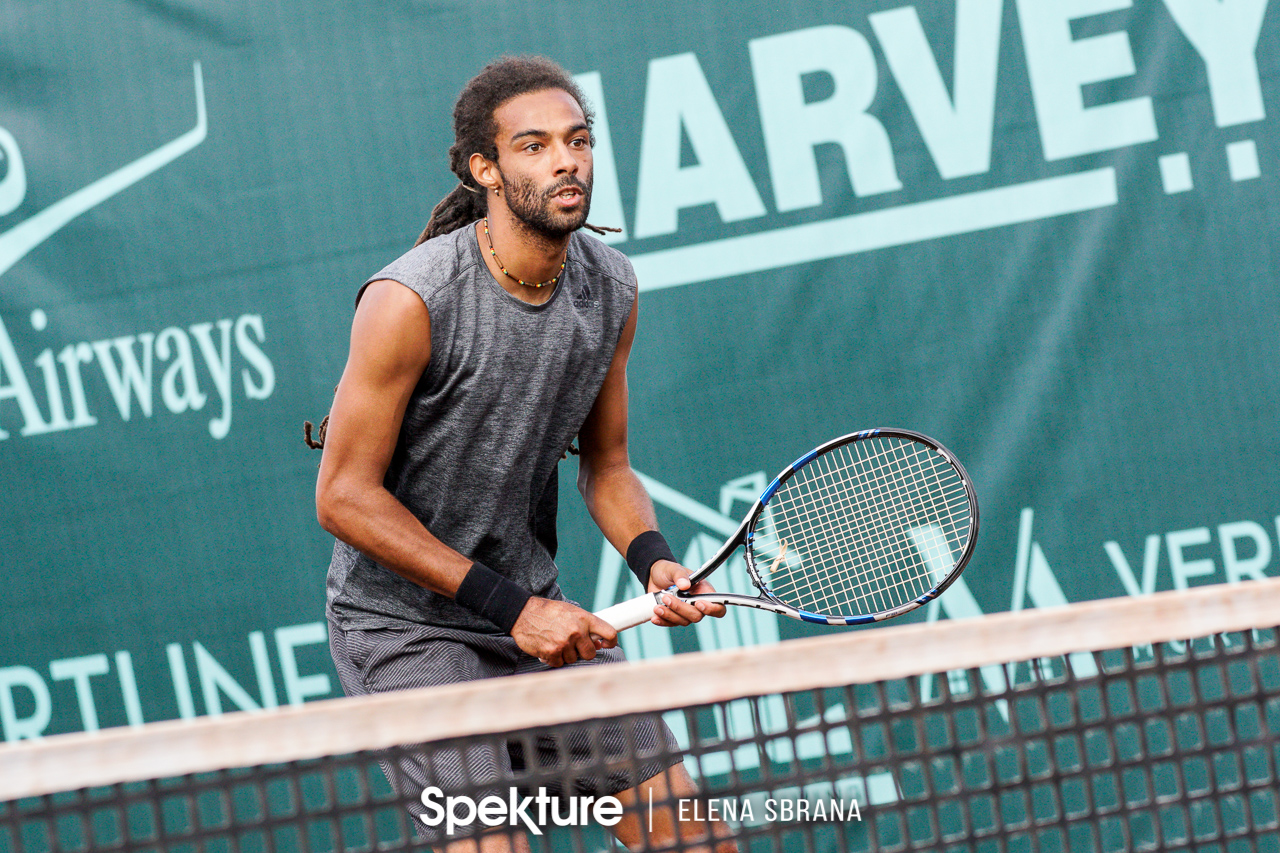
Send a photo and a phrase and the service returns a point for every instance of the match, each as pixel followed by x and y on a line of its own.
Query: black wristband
pixel 645 550
pixel 486 593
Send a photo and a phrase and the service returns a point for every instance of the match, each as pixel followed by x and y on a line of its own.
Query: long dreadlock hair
pixel 475 132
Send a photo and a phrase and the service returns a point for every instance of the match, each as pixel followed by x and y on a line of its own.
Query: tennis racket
pixel 863 528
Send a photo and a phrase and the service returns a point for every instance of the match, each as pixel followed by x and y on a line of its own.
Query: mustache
pixel 570 181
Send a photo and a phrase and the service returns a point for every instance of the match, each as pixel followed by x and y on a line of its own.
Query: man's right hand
pixel 559 633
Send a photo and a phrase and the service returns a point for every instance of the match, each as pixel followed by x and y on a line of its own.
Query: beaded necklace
pixel 489 237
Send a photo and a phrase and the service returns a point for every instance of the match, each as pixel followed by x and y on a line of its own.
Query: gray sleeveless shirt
pixel 506 389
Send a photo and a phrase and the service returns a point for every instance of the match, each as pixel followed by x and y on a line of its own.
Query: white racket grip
pixel 628 614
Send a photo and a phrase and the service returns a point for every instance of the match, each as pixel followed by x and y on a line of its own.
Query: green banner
pixel 1040 231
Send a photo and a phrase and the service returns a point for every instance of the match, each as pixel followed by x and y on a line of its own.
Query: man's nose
pixel 565 162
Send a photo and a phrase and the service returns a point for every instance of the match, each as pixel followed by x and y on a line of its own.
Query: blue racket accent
pixel 773 487
pixel 795 466
pixel 818 619
pixel 804 460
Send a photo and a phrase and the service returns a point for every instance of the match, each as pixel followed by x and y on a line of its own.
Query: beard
pixel 533 206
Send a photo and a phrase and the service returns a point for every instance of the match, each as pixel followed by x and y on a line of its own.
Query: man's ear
pixel 485 171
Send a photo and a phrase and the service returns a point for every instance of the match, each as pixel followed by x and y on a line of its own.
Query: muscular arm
pixel 390 347
pixel 613 493
pixel 614 496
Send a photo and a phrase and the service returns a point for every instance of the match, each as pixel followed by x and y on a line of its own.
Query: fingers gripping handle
pixel 628 614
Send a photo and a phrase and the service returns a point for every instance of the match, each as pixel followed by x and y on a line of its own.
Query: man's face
pixel 544 159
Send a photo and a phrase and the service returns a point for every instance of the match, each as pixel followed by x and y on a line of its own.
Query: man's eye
pixel 533 146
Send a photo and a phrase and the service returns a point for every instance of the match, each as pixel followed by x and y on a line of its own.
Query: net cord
pixel 343 726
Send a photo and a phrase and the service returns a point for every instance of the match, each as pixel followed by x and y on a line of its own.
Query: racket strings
pixel 864 527
pixel 894 548
pixel 884 530
pixel 824 516
pixel 788 521
pixel 873 544
pixel 883 547
pixel 878 547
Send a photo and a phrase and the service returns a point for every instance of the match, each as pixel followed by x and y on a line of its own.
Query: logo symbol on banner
pixel 19 240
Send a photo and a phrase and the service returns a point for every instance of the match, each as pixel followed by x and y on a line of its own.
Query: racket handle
pixel 628 614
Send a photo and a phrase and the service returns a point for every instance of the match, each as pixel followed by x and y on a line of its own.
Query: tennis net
pixel 1127 724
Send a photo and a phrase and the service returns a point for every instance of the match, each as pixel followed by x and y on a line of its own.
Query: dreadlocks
pixel 475 132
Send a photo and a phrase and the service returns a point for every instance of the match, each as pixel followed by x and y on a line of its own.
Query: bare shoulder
pixel 392 328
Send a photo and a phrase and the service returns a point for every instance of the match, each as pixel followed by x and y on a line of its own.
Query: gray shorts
pixel 613 756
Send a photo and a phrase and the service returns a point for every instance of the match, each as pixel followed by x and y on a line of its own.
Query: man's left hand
pixel 675 611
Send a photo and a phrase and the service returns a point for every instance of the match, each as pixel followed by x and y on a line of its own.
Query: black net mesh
pixel 1166 747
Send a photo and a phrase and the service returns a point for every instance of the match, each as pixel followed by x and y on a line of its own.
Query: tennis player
pixel 476 359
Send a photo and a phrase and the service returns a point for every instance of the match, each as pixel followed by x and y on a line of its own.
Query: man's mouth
pixel 568 195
